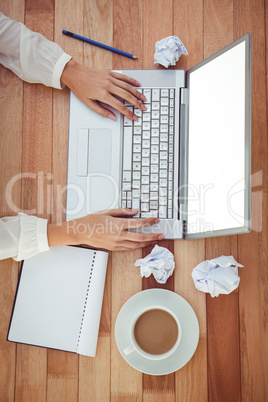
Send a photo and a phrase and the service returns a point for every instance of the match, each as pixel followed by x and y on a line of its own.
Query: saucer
pixel 189 324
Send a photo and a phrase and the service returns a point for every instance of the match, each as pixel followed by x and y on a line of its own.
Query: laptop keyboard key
pixel 147 181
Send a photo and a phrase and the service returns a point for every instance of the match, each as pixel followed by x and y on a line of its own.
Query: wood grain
pixel 189 27
pixel 126 382
pixel 8 282
pixel 157 23
pixel 191 380
pixel 160 387
pixel 11 107
pixel 223 361
pixel 95 378
pixel 98 26
pixel 67 15
pixel 128 33
pixel 31 369
pixel 250 17
pixel 230 363
pixel 63 367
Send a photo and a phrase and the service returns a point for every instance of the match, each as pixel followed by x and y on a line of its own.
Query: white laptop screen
pixel 219 143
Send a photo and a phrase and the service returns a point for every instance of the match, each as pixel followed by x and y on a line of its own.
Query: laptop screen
pixel 219 143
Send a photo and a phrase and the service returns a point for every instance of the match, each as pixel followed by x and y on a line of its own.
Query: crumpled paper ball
pixel 160 262
pixel 168 51
pixel 217 276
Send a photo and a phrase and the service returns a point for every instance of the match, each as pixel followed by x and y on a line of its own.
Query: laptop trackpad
pixel 101 189
pixel 99 150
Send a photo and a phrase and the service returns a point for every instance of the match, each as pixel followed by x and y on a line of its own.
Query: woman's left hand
pixel 92 86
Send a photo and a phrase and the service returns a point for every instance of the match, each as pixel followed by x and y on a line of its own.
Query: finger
pixel 116 104
pixel 140 222
pixel 130 245
pixel 141 237
pixel 121 212
pixel 126 78
pixel 98 108
pixel 128 88
pixel 129 97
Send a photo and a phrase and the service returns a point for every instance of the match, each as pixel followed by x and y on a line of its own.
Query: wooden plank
pixel 31 373
pixel 128 33
pixel 150 282
pixel 8 283
pixel 218 25
pixel 189 14
pixel 223 312
pixel 40 5
pixel 94 373
pixel 67 16
pixel 191 380
pixel 250 17
pixel 160 387
pixel 11 101
pixel 31 370
pixel 62 376
pixel 98 26
pixel 63 367
pixel 126 382
pixel 223 348
pixel 94 381
pixel 166 394
pixel 223 345
pixel 157 24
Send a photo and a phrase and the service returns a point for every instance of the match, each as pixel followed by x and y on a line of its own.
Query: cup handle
pixel 129 349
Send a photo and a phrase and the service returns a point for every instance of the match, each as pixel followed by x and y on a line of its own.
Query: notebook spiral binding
pixel 85 304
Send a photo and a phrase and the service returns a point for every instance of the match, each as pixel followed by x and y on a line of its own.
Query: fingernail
pixel 112 117
pixel 156 220
pixel 143 107
pixel 161 237
pixel 135 210
pixel 137 83
pixel 143 98
pixel 135 117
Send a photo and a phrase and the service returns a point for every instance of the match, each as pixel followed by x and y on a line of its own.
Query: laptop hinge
pixel 183 170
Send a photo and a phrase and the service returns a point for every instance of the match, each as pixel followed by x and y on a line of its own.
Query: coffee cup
pixel 155 333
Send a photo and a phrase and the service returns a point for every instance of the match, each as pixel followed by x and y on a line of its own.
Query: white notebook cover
pixel 59 300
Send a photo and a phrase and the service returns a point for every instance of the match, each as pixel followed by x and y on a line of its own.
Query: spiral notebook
pixel 59 300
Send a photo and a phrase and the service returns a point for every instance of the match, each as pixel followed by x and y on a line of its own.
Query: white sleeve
pixel 22 236
pixel 30 55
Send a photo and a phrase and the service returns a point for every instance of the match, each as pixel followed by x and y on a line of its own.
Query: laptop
pixel 186 160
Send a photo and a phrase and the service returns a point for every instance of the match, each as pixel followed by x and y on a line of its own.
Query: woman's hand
pixel 105 229
pixel 92 85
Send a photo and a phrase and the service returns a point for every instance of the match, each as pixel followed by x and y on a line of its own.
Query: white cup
pixel 134 347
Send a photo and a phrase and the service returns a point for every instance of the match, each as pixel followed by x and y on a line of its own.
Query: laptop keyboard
pixel 147 180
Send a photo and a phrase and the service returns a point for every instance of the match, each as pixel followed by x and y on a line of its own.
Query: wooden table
pixel 231 360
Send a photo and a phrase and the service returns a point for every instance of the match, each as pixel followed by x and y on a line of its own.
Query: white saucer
pixel 186 316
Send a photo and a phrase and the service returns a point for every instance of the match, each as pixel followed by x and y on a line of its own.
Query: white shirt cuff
pixel 58 69
pixel 33 236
